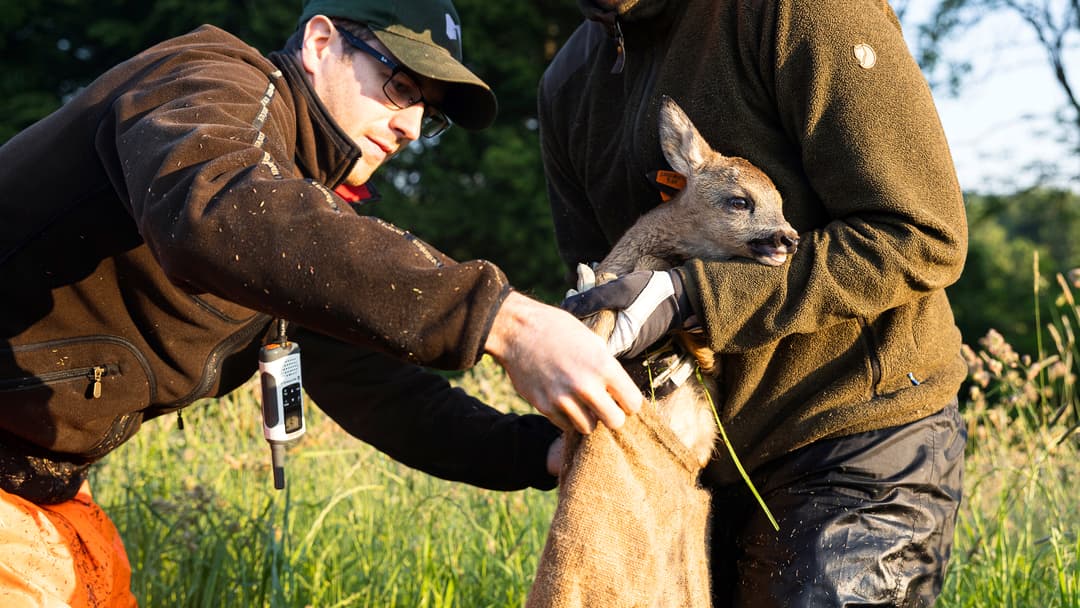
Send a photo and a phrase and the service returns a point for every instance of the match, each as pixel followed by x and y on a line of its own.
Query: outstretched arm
pixel 419 419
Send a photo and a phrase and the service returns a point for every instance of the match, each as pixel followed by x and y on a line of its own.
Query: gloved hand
pixel 648 304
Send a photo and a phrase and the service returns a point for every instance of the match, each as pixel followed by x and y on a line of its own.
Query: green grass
pixel 1017 536
pixel 204 526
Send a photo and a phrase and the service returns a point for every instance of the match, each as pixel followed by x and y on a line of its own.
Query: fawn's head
pixel 730 207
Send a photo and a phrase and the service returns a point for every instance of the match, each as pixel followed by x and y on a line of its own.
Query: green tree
pixel 996 290
pixel 51 48
pixel 482 194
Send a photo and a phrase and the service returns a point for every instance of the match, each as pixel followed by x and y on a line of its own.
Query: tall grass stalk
pixel 1017 533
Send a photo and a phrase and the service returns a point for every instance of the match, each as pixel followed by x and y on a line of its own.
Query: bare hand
pixel 560 367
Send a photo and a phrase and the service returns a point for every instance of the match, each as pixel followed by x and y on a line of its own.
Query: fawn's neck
pixel 649 244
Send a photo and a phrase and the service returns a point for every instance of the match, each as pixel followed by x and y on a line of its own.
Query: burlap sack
pixel 631 525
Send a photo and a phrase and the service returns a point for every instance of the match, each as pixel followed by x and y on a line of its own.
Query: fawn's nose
pixel 786 239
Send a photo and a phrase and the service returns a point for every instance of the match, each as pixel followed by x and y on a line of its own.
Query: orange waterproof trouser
pixel 68 554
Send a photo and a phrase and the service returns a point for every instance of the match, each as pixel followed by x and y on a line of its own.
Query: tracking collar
pixel 662 370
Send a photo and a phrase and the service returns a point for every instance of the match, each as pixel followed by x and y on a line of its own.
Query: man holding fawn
pixel 839 369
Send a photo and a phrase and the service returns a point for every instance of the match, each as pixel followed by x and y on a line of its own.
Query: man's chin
pixel 359 176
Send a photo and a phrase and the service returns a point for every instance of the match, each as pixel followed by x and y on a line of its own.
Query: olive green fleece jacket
pixel 157 222
pixel 855 332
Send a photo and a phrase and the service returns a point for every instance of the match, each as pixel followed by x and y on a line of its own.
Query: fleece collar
pixel 625 10
pixel 635 16
pixel 323 151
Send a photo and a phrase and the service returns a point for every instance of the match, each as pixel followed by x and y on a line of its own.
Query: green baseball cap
pixel 425 36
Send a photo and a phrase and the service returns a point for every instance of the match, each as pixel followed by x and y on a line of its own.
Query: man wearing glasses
pixel 203 208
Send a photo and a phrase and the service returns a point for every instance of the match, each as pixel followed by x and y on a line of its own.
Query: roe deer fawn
pixel 728 208
pixel 630 528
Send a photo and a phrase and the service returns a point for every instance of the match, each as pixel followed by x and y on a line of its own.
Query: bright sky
pixel 986 126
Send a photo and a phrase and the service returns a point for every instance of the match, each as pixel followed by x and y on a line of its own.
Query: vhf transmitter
pixel 282 399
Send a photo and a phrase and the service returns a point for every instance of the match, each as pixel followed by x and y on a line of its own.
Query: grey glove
pixel 649 304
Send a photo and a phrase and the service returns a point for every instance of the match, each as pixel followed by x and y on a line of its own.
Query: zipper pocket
pixel 67 395
pixel 92 375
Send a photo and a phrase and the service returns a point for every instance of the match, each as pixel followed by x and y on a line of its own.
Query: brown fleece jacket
pixel 156 222
pixel 855 332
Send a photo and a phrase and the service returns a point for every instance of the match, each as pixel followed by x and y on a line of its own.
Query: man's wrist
pixel 509 320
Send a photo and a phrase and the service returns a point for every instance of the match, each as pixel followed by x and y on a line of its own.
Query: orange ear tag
pixel 668 182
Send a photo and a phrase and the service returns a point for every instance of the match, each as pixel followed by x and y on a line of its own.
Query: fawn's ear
pixel 680 141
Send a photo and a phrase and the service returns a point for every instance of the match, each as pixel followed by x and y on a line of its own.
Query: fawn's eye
pixel 738 203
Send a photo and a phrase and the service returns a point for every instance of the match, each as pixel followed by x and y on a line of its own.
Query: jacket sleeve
pixel 206 146
pixel 875 156
pixel 417 418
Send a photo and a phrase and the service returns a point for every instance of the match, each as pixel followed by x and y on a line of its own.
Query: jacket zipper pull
pixel 99 371
pixel 179 420
pixel 620 50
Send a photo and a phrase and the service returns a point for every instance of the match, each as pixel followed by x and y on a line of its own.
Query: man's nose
pixel 408 121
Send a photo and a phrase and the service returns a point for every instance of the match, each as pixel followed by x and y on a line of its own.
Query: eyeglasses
pixel 401 89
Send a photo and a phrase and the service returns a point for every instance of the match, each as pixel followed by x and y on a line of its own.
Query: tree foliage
pixel 51 48
pixel 1054 25
pixel 482 194
pixel 997 288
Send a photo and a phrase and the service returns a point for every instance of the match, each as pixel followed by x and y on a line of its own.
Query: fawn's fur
pixel 728 208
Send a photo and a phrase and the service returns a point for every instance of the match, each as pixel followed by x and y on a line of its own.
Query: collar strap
pixel 662 370
pixel 604 17
pixel 620 50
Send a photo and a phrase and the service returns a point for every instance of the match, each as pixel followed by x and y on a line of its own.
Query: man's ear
pixel 316 44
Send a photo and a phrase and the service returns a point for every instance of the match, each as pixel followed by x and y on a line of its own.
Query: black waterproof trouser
pixel 865 520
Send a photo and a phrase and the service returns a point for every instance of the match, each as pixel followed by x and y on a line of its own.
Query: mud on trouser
pixel 865 520
pixel 65 554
